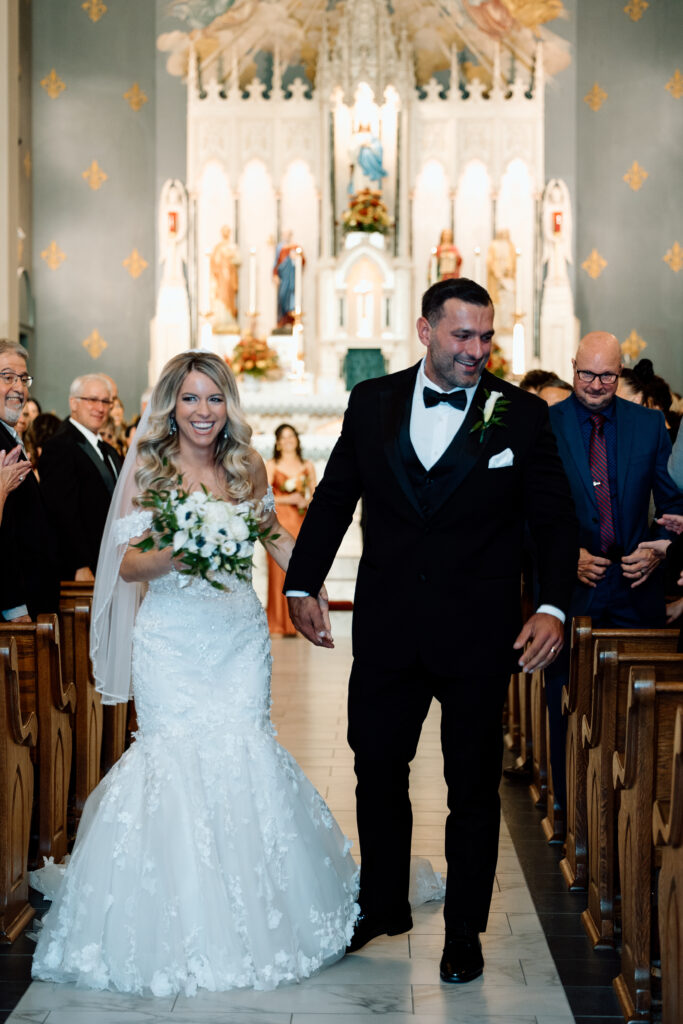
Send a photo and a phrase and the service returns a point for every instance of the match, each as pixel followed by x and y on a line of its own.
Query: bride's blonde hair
pixel 157 449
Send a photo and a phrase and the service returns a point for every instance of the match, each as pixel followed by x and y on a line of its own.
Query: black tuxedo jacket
pixel 442 588
pixel 77 488
pixel 29 574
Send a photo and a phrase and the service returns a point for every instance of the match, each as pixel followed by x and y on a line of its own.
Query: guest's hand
pixel 546 634
pixel 674 610
pixel 591 568
pixel 672 522
pixel 12 472
pixel 84 575
pixel 324 605
pixel 22 618
pixel 641 563
pixel 308 618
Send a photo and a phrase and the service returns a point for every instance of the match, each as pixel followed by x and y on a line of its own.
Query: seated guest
pixel 643 386
pixel 29 580
pixel 555 390
pixel 78 473
pixel 533 380
pixel 37 433
pixel 615 455
pixel 32 409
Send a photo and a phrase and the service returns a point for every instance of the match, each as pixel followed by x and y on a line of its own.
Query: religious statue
pixel 557 230
pixel 284 272
pixel 223 266
pixel 173 231
pixel 367 154
pixel 501 273
pixel 448 258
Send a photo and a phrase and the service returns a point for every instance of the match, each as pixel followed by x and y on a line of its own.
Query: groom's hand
pixel 546 634
pixel 306 614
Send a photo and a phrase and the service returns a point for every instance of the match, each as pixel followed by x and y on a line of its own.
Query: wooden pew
pixel 642 771
pixel 539 753
pixel 16 796
pixel 576 701
pixel 667 832
pixel 553 824
pixel 511 722
pixel 43 692
pixel 75 605
pixel 603 731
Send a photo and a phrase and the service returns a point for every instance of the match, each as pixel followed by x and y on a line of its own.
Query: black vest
pixel 430 486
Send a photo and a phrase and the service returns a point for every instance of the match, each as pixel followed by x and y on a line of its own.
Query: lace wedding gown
pixel 205 858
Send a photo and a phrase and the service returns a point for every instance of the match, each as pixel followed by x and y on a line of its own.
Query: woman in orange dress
pixel 293 481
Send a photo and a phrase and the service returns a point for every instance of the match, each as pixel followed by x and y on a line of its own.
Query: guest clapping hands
pixel 12 473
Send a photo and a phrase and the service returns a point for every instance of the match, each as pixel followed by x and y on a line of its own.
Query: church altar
pixel 312 208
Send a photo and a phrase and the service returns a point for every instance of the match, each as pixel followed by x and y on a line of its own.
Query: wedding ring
pixel 552 650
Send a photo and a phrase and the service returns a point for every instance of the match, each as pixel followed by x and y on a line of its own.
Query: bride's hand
pixel 324 605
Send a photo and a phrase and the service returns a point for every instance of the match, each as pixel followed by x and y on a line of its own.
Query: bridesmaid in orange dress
pixel 293 481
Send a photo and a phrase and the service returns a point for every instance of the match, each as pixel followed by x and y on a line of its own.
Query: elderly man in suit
pixel 451 463
pixel 615 454
pixel 78 472
pixel 29 579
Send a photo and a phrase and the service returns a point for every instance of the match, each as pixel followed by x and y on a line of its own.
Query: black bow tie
pixel 458 399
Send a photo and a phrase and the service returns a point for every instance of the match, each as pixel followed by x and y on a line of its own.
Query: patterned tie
pixel 598 466
pixel 458 399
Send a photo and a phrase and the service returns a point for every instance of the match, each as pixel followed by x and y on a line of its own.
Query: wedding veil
pixel 115 602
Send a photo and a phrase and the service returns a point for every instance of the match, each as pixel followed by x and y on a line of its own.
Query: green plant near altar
pixel 498 364
pixel 367 211
pixel 255 357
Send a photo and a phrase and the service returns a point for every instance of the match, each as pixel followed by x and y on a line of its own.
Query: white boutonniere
pixel 491 413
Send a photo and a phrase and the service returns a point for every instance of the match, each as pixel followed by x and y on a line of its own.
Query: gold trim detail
pixel 135 264
pixel 675 84
pixel 53 85
pixel 636 9
pixel 28 163
pixel 633 345
pixel 95 344
pixel 635 176
pixel 674 257
pixel 595 98
pixel 94 176
pixel 135 97
pixel 594 265
pixel 53 256
pixel 95 9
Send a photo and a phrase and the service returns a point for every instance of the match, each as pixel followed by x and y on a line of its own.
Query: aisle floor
pixel 395 977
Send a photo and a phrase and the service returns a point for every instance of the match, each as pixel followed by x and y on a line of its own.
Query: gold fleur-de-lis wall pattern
pixel 636 9
pixel 94 344
pixel 135 97
pixel 675 85
pixel 635 176
pixel 53 85
pixel 135 264
pixel 95 9
pixel 95 176
pixel 594 265
pixel 674 257
pixel 633 345
pixel 53 256
pixel 595 98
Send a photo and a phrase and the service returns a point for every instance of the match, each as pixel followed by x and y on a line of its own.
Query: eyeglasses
pixel 106 402
pixel 587 377
pixel 11 378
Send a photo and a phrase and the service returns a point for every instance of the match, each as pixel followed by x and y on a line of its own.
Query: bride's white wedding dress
pixel 205 858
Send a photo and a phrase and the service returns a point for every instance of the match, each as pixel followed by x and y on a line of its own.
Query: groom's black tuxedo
pixel 436 611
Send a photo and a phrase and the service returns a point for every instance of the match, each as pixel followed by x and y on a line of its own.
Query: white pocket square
pixel 501 459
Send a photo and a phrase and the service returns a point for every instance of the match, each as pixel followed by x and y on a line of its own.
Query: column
pixel 9 167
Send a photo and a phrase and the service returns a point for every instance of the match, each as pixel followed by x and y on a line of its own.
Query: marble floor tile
pixel 420 1018
pixel 308 998
pixel 44 995
pixel 482 997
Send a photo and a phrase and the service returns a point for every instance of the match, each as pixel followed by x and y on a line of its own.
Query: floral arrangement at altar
pixel 255 357
pixel 498 365
pixel 367 211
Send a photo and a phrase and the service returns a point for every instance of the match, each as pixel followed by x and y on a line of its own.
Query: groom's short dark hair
pixel 452 288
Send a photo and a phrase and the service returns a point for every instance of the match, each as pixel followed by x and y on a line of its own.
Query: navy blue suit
pixel 641 448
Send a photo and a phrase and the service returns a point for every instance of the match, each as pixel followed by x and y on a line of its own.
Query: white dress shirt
pixel 432 430
pixel 88 435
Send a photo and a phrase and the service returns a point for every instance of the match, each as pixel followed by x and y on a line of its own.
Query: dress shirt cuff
pixel 297 593
pixel 14 613
pixel 550 609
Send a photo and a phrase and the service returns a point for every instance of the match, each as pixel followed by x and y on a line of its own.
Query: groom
pixel 448 488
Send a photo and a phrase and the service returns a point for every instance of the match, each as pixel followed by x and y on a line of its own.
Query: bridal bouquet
pixel 208 534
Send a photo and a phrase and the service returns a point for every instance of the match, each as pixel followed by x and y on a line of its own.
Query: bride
pixel 205 858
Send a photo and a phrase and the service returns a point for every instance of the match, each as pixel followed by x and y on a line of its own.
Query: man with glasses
pixel 615 455
pixel 78 472
pixel 29 578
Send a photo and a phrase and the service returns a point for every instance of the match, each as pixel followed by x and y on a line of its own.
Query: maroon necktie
pixel 598 466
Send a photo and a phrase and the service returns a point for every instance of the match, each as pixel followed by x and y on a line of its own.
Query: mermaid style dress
pixel 205 858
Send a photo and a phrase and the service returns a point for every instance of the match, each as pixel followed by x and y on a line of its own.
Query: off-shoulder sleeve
pixel 132 525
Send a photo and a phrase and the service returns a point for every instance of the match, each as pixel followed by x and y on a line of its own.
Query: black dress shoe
pixel 462 959
pixel 520 772
pixel 368 927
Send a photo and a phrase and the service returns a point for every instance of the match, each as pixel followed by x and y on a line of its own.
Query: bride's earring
pixel 226 432
pixel 172 425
